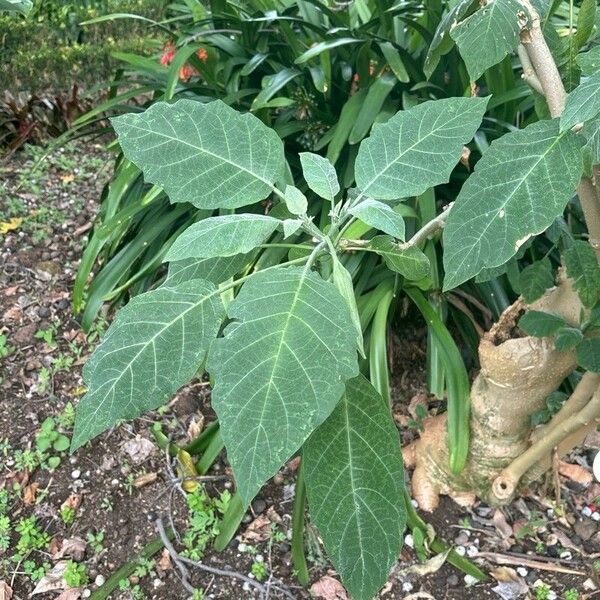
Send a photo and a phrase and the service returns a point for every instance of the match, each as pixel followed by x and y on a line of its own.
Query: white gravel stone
pixel 460 550
pixel 470 580
pixel 596 516
pixel 76 474
pixel 586 511
pixel 407 586
pixel 100 579
pixel 522 571
pixel 472 551
pixel 409 541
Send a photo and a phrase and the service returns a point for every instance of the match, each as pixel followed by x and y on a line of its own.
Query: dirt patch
pixel 95 509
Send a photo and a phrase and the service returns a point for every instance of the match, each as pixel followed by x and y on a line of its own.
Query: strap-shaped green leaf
pixel 520 185
pixel 583 103
pixel 206 154
pixel 380 216
pixel 417 148
pixel 226 235
pixel 355 487
pixel 155 345
pixel 489 34
pixel 280 369
pixel 320 175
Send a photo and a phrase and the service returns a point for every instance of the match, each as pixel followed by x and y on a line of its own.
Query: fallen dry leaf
pixel 53 580
pixel 72 547
pixel 260 529
pixel 67 178
pixel 10 225
pixel 196 426
pixel 29 493
pixel 433 565
pixel 501 524
pixel 575 473
pixel 5 591
pixel 139 449
pixel 164 563
pixel 70 594
pixel 144 479
pixel 73 501
pixel 328 588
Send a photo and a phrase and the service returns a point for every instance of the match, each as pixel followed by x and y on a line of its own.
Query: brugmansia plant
pixel 283 339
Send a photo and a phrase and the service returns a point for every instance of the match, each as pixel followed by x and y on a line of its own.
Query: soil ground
pixel 94 506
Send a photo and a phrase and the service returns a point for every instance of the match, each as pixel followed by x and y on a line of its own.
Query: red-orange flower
pixel 168 54
pixel 202 54
pixel 187 72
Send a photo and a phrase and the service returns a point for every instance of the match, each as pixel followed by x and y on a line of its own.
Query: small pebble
pixel 407 586
pixel 76 474
pixel 551 595
pixel 472 551
pixel 259 558
pixel 461 539
pixel 409 541
pixel 586 511
pixel 246 586
pixel 460 550
pixel 242 547
pixel 522 571
pixel 414 503
pixel 99 580
pixel 596 516
pixel 452 580
pixel 470 580
pixel 86 593
pixel 566 555
pixel 259 506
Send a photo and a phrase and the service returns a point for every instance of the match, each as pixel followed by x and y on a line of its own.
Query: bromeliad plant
pixel 283 336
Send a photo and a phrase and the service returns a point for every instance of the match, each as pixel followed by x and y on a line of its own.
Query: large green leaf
pixel 591 134
pixel 520 185
pixel 582 266
pixel 280 369
pixel 206 154
pixel 380 216
pixel 583 103
pixel 22 6
pixel 489 34
pixel 589 61
pixel 588 354
pixel 226 235
pixel 320 175
pixel 540 324
pixel 215 270
pixel 442 43
pixel 355 487
pixel 417 148
pixel 155 345
pixel 410 262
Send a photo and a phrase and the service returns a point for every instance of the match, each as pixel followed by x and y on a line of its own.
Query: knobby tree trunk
pixel 517 372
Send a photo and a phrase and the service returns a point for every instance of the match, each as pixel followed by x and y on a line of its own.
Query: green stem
pixel 298 557
pixel 213 449
pixel 230 522
pixel 378 366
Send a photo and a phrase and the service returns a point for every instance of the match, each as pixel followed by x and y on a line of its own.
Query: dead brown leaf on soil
pixel 73 501
pixel 72 547
pixel 139 449
pixel 328 588
pixel 53 580
pixel 6 592
pixel 144 479
pixel 70 594
pixel 29 493
pixel 260 529
pixel 575 472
